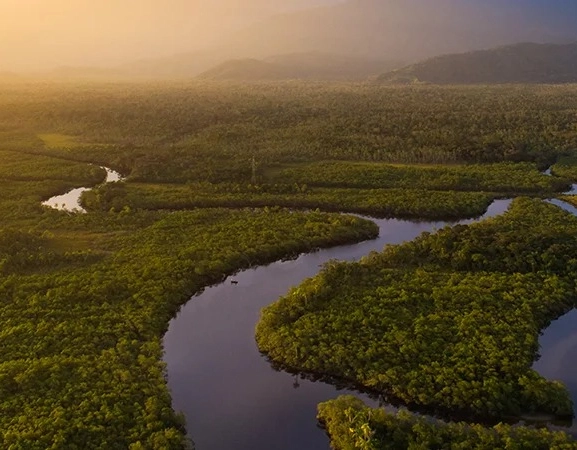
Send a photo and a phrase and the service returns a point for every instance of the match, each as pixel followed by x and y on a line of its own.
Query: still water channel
pixel 558 351
pixel 231 396
pixel 71 200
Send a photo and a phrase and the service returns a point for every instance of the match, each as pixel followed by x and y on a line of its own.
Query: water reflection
pixel 67 202
pixel 558 361
pixel 71 200
pixel 564 206
pixel 111 175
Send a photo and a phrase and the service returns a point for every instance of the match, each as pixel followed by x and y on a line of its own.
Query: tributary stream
pixel 70 201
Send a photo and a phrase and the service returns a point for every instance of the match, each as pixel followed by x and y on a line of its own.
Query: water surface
pixel 70 201
pixel 558 359
pixel 229 394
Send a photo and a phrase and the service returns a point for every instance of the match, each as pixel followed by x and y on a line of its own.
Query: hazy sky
pixel 36 34
pixel 41 33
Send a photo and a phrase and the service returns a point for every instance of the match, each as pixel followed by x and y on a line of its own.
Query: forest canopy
pixel 215 174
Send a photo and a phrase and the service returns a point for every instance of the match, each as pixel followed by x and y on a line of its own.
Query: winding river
pixel 231 396
pixel 70 201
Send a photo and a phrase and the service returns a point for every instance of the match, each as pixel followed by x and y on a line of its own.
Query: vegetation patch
pixel 449 321
pixel 503 177
pixel 406 203
pixel 566 167
pixel 353 426
pixel 19 166
pixel 80 363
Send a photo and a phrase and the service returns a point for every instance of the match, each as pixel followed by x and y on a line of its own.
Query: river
pixel 231 396
pixel 70 201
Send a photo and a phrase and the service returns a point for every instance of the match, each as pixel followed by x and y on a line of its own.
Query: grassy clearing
pixel 60 141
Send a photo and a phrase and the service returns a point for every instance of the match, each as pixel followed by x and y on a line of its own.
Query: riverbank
pixel 427 320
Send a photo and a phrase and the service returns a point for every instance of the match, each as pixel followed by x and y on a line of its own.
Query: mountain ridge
pixel 307 66
pixel 384 30
pixel 526 62
pixel 407 30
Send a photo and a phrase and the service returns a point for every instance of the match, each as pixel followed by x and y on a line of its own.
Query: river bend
pixel 230 395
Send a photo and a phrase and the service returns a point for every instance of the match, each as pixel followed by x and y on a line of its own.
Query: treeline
pixel 566 167
pixel 80 362
pixel 502 177
pixel 404 203
pixel 353 426
pixel 19 166
pixel 449 321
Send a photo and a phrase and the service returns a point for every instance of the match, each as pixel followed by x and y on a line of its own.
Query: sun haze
pixel 39 34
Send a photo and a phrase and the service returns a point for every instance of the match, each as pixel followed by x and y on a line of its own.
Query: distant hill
pixel 330 66
pixel 405 30
pixel 243 70
pixel 182 65
pixel 371 30
pixel 520 63
pixel 308 66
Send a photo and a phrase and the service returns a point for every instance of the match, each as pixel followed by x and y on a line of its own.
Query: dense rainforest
pixel 354 426
pixel 214 132
pixel 450 320
pixel 214 176
pixel 87 298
